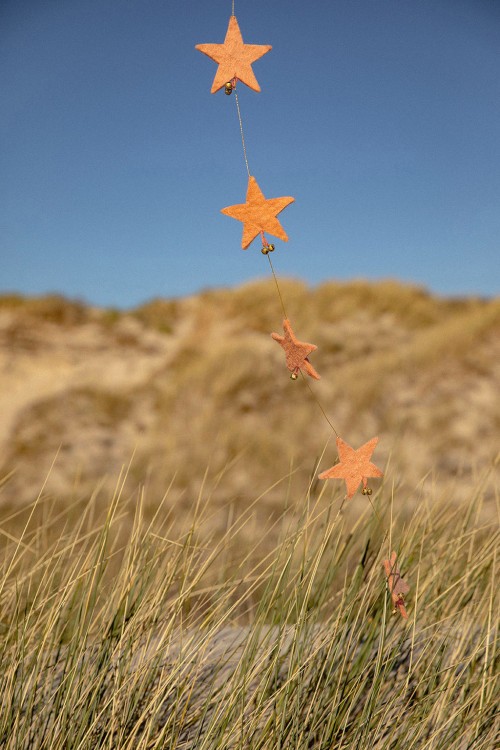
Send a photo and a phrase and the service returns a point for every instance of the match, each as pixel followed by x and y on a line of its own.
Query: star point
pixel 258 214
pixel 234 58
pixel 354 465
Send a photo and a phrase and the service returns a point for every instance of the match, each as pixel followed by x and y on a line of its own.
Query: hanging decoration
pixel 234 59
pixel 355 466
pixel 397 586
pixel 296 352
pixel 259 215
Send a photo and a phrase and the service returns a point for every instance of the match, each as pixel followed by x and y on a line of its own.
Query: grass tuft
pixel 121 629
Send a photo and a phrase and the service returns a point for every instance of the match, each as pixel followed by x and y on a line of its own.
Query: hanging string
pixel 318 403
pixel 233 7
pixel 386 533
pixel 277 287
pixel 241 128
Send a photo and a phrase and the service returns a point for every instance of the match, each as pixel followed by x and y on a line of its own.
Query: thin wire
pixel 386 533
pixel 241 128
pixel 233 7
pixel 318 403
pixel 277 287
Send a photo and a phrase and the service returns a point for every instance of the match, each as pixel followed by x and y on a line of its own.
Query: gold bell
pixel 267 249
pixel 294 375
pixel 366 491
pixel 228 87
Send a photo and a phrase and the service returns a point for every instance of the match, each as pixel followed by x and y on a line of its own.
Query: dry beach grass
pixel 119 634
pixel 173 574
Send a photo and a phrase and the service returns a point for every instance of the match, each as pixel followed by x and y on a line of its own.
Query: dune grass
pixel 121 629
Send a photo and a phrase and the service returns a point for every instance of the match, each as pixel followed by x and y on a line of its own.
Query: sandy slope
pixel 184 385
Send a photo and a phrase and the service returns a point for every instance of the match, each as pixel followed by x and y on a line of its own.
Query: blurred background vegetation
pixel 189 392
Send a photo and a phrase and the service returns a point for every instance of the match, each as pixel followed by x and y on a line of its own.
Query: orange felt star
pixel 354 466
pixel 296 352
pixel 397 586
pixel 234 58
pixel 258 214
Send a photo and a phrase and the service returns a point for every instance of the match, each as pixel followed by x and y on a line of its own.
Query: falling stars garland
pixel 259 216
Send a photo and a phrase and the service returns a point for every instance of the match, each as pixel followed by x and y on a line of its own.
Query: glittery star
pixel 234 58
pixel 296 352
pixel 258 214
pixel 354 466
pixel 397 586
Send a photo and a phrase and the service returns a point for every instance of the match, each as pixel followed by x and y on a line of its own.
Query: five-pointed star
pixel 397 586
pixel 258 214
pixel 296 351
pixel 354 466
pixel 234 58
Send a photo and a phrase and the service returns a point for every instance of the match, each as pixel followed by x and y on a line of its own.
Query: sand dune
pixel 180 385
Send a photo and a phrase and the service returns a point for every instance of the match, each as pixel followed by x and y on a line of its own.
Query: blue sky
pixel 381 118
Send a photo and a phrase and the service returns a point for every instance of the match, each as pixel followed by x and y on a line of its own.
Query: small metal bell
pixel 398 603
pixel 228 88
pixel 294 375
pixel 267 249
pixel 366 491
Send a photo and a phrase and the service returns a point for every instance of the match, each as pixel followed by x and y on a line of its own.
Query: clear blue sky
pixel 381 118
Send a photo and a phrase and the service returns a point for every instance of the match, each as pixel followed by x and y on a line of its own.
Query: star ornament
pixel 354 466
pixel 258 214
pixel 397 586
pixel 296 352
pixel 234 58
